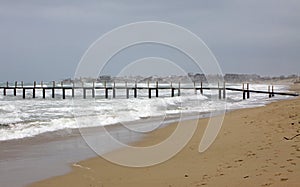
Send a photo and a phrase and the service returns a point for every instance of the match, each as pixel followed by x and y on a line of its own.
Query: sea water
pixel 22 118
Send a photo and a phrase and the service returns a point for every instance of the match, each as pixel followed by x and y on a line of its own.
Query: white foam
pixel 26 118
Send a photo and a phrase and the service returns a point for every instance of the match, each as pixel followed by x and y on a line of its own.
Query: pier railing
pixel 111 87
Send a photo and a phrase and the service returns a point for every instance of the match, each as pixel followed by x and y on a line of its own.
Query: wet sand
pixel 255 147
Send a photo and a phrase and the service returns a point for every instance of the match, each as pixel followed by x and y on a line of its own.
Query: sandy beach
pixel 255 147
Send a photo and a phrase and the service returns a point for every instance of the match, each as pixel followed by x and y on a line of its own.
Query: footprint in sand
pixel 250 154
pixel 284 179
pixel 289 170
pixel 277 174
pixel 239 160
pixel 267 184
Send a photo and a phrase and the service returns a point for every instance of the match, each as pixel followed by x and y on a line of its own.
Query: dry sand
pixel 252 149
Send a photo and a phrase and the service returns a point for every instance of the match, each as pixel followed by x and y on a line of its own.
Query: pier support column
pixel 201 89
pixel 53 89
pixel 73 94
pixel 114 90
pixel 149 93
pixel 4 89
pixel 15 89
pixel 44 93
pixel 84 93
pixel 64 93
pixel 135 90
pixel 248 92
pixel 224 90
pixel 93 90
pixel 156 90
pixel 33 90
pixel 179 89
pixel 172 90
pixel 244 93
pixel 24 93
pixel 106 93
pixel 220 91
pixel 127 90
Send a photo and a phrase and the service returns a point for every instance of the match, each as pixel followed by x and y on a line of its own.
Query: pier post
pixel 93 89
pixel 64 93
pixel 149 93
pixel 273 91
pixel 63 90
pixel 24 92
pixel 33 90
pixel 248 92
pixel 22 84
pixel 201 89
pixel 114 90
pixel 53 89
pixel 172 90
pixel 178 88
pixel 270 95
pixel 15 89
pixel 135 90
pixel 219 89
pixel 106 90
pixel 84 93
pixel 4 89
pixel 244 93
pixel 224 90
pixel 44 93
pixel 127 90
pixel 156 90
pixel 73 94
pixel 195 90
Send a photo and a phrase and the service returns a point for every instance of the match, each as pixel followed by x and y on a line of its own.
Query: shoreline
pixel 102 172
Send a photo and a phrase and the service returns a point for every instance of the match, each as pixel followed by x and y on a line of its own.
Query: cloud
pixel 45 34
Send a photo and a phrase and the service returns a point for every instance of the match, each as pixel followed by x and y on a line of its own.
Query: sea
pixel 25 118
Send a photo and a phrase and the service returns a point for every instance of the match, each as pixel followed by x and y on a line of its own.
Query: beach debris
pixel 247 176
pixel 286 138
pixel 186 175
pixel 284 179
pixel 80 166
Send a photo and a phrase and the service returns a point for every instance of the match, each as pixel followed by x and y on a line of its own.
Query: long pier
pixel 175 89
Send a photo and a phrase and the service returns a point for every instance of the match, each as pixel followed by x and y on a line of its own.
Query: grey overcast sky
pixel 44 40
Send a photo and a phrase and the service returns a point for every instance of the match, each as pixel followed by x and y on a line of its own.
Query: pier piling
pixel 53 89
pixel 248 93
pixel 33 90
pixel 114 90
pixel 244 93
pixel 224 90
pixel 15 88
pixel 135 90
